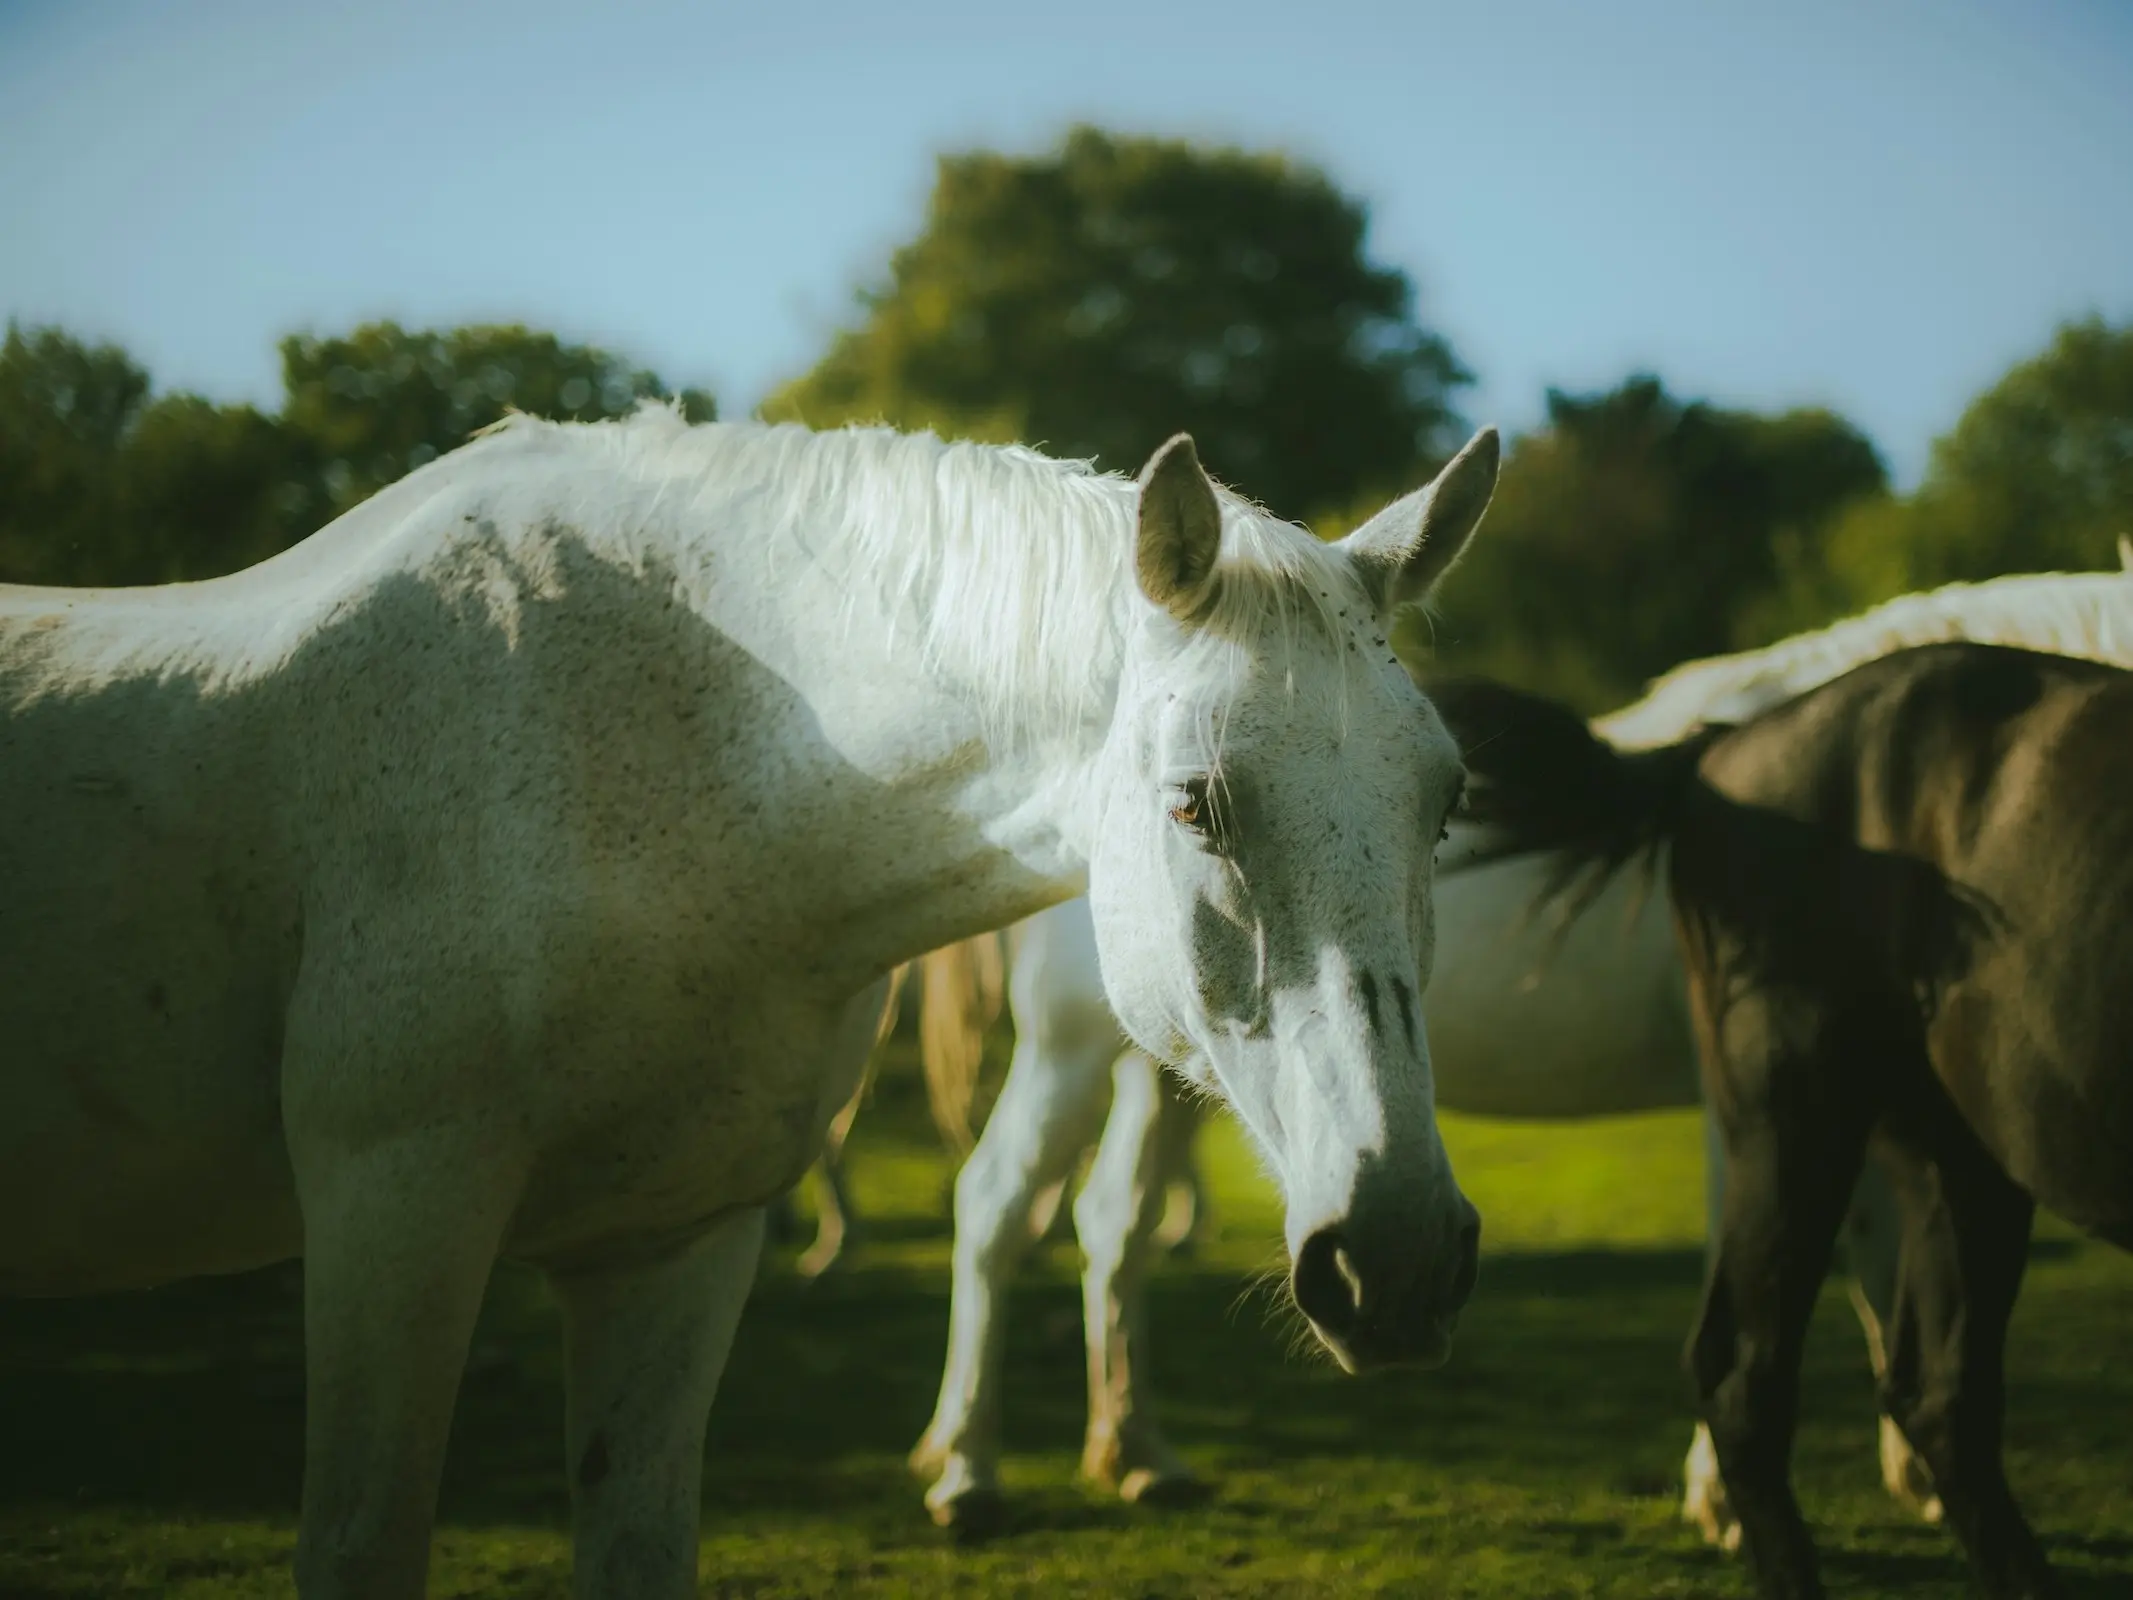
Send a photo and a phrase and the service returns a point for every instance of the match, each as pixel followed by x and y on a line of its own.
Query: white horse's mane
pixel 2086 614
pixel 1014 567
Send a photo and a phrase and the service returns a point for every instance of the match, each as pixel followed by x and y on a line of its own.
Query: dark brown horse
pixel 1905 901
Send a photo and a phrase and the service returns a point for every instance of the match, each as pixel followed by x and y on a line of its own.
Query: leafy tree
pixel 101 485
pixel 1636 530
pixel 205 489
pixel 383 400
pixel 2036 476
pixel 1103 296
pixel 64 408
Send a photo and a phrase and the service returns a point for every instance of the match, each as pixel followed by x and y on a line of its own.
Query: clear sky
pixel 1871 204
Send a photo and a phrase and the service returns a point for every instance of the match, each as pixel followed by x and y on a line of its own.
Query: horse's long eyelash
pixel 1204 805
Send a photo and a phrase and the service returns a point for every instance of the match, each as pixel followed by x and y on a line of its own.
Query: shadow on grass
pixel 1565 1385
pixel 192 1396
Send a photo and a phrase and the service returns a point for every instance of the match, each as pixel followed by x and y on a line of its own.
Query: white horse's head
pixel 1261 878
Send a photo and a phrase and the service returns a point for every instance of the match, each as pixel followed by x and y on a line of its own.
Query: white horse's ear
pixel 2125 553
pixel 1403 552
pixel 1180 531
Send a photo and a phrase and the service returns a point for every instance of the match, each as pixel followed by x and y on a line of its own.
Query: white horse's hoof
pixel 973 1514
pixel 1142 1468
pixel 964 1500
pixel 1703 1500
pixel 928 1458
pixel 1163 1491
pixel 980 1514
pixel 1905 1474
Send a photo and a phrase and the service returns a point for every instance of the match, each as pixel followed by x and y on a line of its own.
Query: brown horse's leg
pixel 1966 1240
pixel 1794 1122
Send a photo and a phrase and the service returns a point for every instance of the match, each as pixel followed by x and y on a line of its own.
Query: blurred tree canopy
pixel 1099 298
pixel 1095 300
pixel 384 400
pixel 100 484
pixel 65 407
pixel 1635 530
pixel 2036 476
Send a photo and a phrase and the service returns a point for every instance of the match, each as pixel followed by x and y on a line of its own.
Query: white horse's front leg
pixel 1120 1207
pixel 646 1345
pixel 1047 1111
pixel 1873 1246
pixel 1703 1497
pixel 398 1243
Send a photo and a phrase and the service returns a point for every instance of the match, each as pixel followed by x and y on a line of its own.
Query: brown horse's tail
pixel 962 990
pixel 1799 900
pixel 1542 783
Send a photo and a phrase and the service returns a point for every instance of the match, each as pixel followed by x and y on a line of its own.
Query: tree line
pixel 1094 299
pixel 102 482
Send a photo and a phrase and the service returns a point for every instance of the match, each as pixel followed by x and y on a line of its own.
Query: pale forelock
pixel 2086 614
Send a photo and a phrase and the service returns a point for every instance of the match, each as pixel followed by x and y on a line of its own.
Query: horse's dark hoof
pixel 973 1516
pixel 1166 1491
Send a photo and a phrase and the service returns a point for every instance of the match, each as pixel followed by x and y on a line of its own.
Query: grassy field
pixel 153 1441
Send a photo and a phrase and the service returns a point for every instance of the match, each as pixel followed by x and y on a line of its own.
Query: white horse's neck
pixel 907 656
pixel 951 616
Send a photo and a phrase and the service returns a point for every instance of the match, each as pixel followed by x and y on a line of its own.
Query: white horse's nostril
pixel 1344 1264
pixel 1324 1282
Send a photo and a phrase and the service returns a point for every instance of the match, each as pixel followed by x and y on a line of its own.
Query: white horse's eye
pixel 1191 807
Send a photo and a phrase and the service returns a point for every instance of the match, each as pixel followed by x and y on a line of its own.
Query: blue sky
pixel 1872 206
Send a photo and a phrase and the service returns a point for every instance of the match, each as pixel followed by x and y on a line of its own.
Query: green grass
pixel 153 1441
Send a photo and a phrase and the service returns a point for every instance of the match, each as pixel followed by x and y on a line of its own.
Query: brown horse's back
pixel 2011 775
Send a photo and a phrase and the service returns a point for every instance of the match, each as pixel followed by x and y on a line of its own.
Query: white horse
pixel 515 865
pixel 1520 1026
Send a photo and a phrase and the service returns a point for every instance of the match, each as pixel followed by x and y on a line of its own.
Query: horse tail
pixel 1540 782
pixel 962 990
pixel 841 1125
pixel 891 1000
